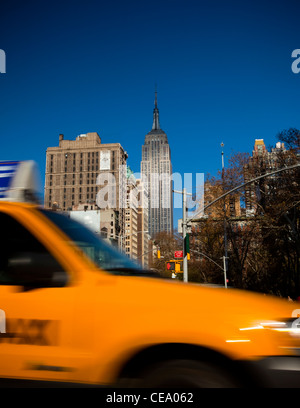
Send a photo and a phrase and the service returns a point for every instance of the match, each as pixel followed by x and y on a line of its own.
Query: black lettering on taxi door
pixel 32 332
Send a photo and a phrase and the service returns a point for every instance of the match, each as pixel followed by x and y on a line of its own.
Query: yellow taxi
pixel 74 311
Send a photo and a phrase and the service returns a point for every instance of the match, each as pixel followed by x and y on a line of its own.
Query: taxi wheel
pixel 186 374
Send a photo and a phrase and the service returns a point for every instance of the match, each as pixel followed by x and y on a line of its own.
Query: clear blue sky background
pixel 222 68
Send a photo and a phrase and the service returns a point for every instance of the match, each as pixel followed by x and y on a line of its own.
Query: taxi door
pixel 36 308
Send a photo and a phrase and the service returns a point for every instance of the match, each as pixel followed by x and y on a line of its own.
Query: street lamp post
pixel 219 266
pixel 184 228
pixel 225 257
pixel 184 233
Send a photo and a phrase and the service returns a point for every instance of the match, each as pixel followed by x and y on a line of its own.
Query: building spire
pixel 156 124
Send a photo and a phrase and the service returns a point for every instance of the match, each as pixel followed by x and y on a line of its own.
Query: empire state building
pixel 156 171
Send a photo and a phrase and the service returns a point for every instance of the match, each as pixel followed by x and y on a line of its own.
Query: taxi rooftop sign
pixel 19 181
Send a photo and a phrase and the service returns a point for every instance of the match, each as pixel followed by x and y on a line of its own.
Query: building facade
pixel 261 162
pixel 131 217
pixel 144 241
pixel 89 174
pixel 156 172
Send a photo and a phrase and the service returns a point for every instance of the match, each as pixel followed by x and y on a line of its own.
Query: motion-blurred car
pixel 73 311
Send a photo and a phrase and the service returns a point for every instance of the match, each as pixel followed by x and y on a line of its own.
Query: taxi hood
pixel 195 299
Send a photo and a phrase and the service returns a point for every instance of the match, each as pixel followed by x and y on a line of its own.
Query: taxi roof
pixel 19 181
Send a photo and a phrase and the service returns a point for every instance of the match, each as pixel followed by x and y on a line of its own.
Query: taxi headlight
pixel 290 326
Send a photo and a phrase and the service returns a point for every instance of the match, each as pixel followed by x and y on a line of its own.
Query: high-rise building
pixel 144 241
pixel 156 171
pixel 131 217
pixel 87 174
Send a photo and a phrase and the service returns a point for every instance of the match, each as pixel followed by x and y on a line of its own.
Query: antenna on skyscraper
pixel 155 102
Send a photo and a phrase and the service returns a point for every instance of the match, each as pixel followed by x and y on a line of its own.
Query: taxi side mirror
pixel 34 270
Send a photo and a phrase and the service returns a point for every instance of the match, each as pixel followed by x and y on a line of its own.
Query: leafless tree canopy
pixel 261 223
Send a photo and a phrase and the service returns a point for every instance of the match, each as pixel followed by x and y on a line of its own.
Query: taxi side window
pixel 23 259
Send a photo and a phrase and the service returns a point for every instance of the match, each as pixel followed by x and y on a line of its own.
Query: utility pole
pixel 184 233
pixel 219 266
pixel 225 257
pixel 184 228
pixel 225 271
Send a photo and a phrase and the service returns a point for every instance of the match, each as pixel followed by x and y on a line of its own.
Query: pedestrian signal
pixel 175 266
pixel 170 266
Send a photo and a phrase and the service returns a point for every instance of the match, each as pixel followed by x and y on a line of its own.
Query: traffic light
pixel 171 265
pixel 175 266
pixel 158 253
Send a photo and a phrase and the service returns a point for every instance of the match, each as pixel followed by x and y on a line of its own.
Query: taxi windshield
pixel 101 253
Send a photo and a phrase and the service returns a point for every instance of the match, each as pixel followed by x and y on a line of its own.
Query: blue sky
pixel 222 69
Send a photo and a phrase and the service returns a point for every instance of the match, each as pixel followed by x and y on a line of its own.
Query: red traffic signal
pixel 171 266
